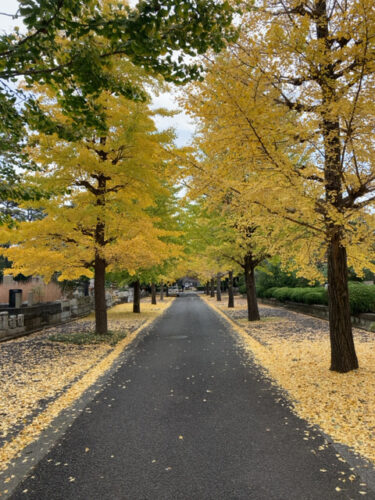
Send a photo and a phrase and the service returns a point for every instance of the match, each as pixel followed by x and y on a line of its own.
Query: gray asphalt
pixel 188 416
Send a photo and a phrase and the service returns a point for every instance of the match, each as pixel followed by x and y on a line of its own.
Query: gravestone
pixel 13 321
pixel 15 297
pixel 20 320
pixel 3 320
pixel 30 298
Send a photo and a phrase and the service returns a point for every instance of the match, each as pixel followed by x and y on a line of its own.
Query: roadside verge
pixel 293 351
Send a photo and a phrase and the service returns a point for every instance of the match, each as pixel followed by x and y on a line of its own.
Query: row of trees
pixel 81 127
pixel 285 149
pixel 284 157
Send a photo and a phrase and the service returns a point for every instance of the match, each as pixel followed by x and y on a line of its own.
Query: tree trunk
pixel 218 288
pixel 153 293
pixel 212 287
pixel 230 290
pixel 166 291
pixel 101 324
pixel 252 304
pixel 343 355
pixel 137 297
pixel 207 288
pixel 161 291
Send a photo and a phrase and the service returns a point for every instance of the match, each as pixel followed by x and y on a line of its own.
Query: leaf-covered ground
pixel 294 349
pixel 35 371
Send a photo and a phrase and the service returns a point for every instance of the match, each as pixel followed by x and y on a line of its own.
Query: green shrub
pixel 304 295
pixel 271 274
pixel 318 296
pixel 267 294
pixel 362 298
pixel 282 293
pixel 298 294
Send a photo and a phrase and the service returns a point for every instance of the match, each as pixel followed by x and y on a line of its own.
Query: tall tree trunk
pixel 161 291
pixel 101 324
pixel 212 287
pixel 136 297
pixel 153 293
pixel 343 355
pixel 166 291
pixel 230 290
pixel 252 304
pixel 218 288
pixel 207 288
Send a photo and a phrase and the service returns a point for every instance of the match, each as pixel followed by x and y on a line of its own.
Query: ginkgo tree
pixel 72 44
pixel 96 218
pixel 293 97
pixel 230 243
pixel 227 230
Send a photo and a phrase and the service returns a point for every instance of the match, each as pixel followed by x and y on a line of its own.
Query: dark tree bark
pixel 230 290
pixel 166 291
pixel 161 291
pixel 137 297
pixel 252 303
pixel 218 288
pixel 212 283
pixel 101 325
pixel 343 355
pixel 153 293
pixel 208 288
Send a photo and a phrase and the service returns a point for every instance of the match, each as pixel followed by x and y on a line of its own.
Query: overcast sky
pixel 181 123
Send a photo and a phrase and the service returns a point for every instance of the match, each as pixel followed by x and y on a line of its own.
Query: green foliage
pixel 272 275
pixel 362 297
pixel 267 294
pixel 87 338
pixel 242 284
pixel 71 45
pixel 315 296
pixel 304 295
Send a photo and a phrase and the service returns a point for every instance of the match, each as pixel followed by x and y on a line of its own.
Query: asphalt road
pixel 188 416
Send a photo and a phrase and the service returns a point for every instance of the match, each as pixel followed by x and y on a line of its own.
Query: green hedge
pixel 362 297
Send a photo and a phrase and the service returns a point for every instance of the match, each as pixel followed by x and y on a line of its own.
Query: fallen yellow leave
pixel 342 405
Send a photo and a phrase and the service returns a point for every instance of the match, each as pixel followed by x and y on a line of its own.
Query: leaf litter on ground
pixel 295 352
pixel 35 371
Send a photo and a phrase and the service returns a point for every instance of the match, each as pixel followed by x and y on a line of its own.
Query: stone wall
pixel 18 321
pixel 366 321
pixel 15 322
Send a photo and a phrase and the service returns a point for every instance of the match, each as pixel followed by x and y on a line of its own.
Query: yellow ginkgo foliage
pixel 96 218
pixel 286 118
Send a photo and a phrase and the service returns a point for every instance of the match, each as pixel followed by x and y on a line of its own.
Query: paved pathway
pixel 189 417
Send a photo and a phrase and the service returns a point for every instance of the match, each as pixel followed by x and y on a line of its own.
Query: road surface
pixel 188 416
